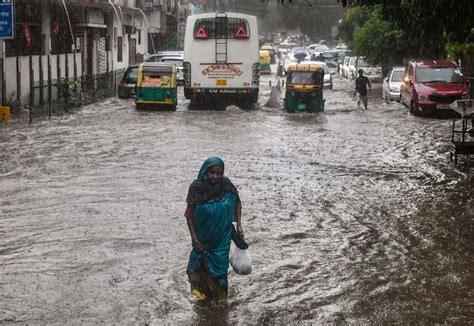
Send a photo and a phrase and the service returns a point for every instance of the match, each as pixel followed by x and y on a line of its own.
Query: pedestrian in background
pixel 213 203
pixel 361 88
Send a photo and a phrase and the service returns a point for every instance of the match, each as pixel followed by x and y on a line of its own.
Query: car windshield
pixel 178 63
pixel 362 63
pixel 304 78
pixel 397 76
pixel 285 46
pixel 299 49
pixel 436 74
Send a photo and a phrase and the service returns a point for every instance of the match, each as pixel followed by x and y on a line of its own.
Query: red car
pixel 429 87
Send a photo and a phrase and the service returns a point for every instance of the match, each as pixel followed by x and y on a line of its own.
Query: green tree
pixel 353 19
pixel 379 41
pixel 427 25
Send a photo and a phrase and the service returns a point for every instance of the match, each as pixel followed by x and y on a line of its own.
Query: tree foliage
pixel 379 41
pixel 427 25
pixel 353 19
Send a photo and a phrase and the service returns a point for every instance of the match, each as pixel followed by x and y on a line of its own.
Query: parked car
pixel 178 61
pixel 351 68
pixel 327 73
pixel 430 86
pixel 391 85
pixel 159 55
pixel 373 73
pixel 344 66
pixel 128 82
pixel 340 61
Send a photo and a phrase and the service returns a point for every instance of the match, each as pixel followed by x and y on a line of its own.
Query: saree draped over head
pixel 214 211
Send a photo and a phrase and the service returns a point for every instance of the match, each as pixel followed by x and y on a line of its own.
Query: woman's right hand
pixel 197 245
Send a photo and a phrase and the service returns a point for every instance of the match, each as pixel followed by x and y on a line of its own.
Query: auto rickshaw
pixel 271 50
pixel 265 62
pixel 156 86
pixel 304 88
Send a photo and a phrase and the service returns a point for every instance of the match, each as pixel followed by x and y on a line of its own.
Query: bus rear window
pixel 221 28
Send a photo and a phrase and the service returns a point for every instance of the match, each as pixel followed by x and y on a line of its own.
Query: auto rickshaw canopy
pixel 264 56
pixel 305 76
pixel 156 74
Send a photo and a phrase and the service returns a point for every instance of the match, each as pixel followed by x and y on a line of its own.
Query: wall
pixel 38 61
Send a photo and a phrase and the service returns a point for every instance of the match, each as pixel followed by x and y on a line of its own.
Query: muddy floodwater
pixel 352 216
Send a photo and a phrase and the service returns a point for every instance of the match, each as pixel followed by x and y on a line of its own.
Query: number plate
pixel 301 106
pixel 443 107
pixel 221 82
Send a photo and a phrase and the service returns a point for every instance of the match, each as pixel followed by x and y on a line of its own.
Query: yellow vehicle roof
pixel 264 53
pixel 304 67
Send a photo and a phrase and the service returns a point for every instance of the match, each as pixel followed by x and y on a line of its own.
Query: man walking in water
pixel 361 88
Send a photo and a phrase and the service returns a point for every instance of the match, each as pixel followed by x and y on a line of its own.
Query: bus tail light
pixel 187 74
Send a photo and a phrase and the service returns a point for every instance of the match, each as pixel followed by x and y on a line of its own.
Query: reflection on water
pixel 352 216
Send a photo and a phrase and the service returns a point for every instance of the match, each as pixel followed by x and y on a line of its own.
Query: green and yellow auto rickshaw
pixel 304 88
pixel 271 51
pixel 265 62
pixel 156 86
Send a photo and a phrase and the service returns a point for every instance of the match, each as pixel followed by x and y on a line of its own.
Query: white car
pixel 391 84
pixel 373 73
pixel 159 55
pixel 350 70
pixel 286 47
pixel 344 65
pixel 178 61
pixel 327 74
pixel 318 48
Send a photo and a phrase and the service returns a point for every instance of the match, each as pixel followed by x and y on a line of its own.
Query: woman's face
pixel 214 174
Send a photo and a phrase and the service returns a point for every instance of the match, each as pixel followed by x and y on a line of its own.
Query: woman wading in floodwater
pixel 213 204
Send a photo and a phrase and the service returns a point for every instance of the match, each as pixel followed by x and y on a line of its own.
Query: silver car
pixel 391 85
pixel 178 61
pixel 327 73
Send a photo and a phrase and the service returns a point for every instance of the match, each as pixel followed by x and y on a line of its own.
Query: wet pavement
pixel 353 216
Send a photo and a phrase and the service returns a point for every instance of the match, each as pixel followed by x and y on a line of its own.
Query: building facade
pixel 57 39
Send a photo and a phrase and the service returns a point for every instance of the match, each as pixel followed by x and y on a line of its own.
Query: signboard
pixel 224 71
pixel 6 19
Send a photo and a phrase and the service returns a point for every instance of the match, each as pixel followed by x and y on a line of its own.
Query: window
pixel 225 28
pixel 397 75
pixel 139 36
pixel 28 40
pixel 119 49
pixel 304 78
pixel 438 74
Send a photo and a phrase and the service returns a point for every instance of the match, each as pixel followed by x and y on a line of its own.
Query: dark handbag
pixel 238 239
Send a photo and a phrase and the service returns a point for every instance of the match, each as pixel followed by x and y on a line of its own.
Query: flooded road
pixel 352 215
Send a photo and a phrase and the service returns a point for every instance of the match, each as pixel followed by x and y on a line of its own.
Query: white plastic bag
pixel 241 262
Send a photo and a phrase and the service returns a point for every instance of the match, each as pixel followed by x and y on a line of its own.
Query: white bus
pixel 221 58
